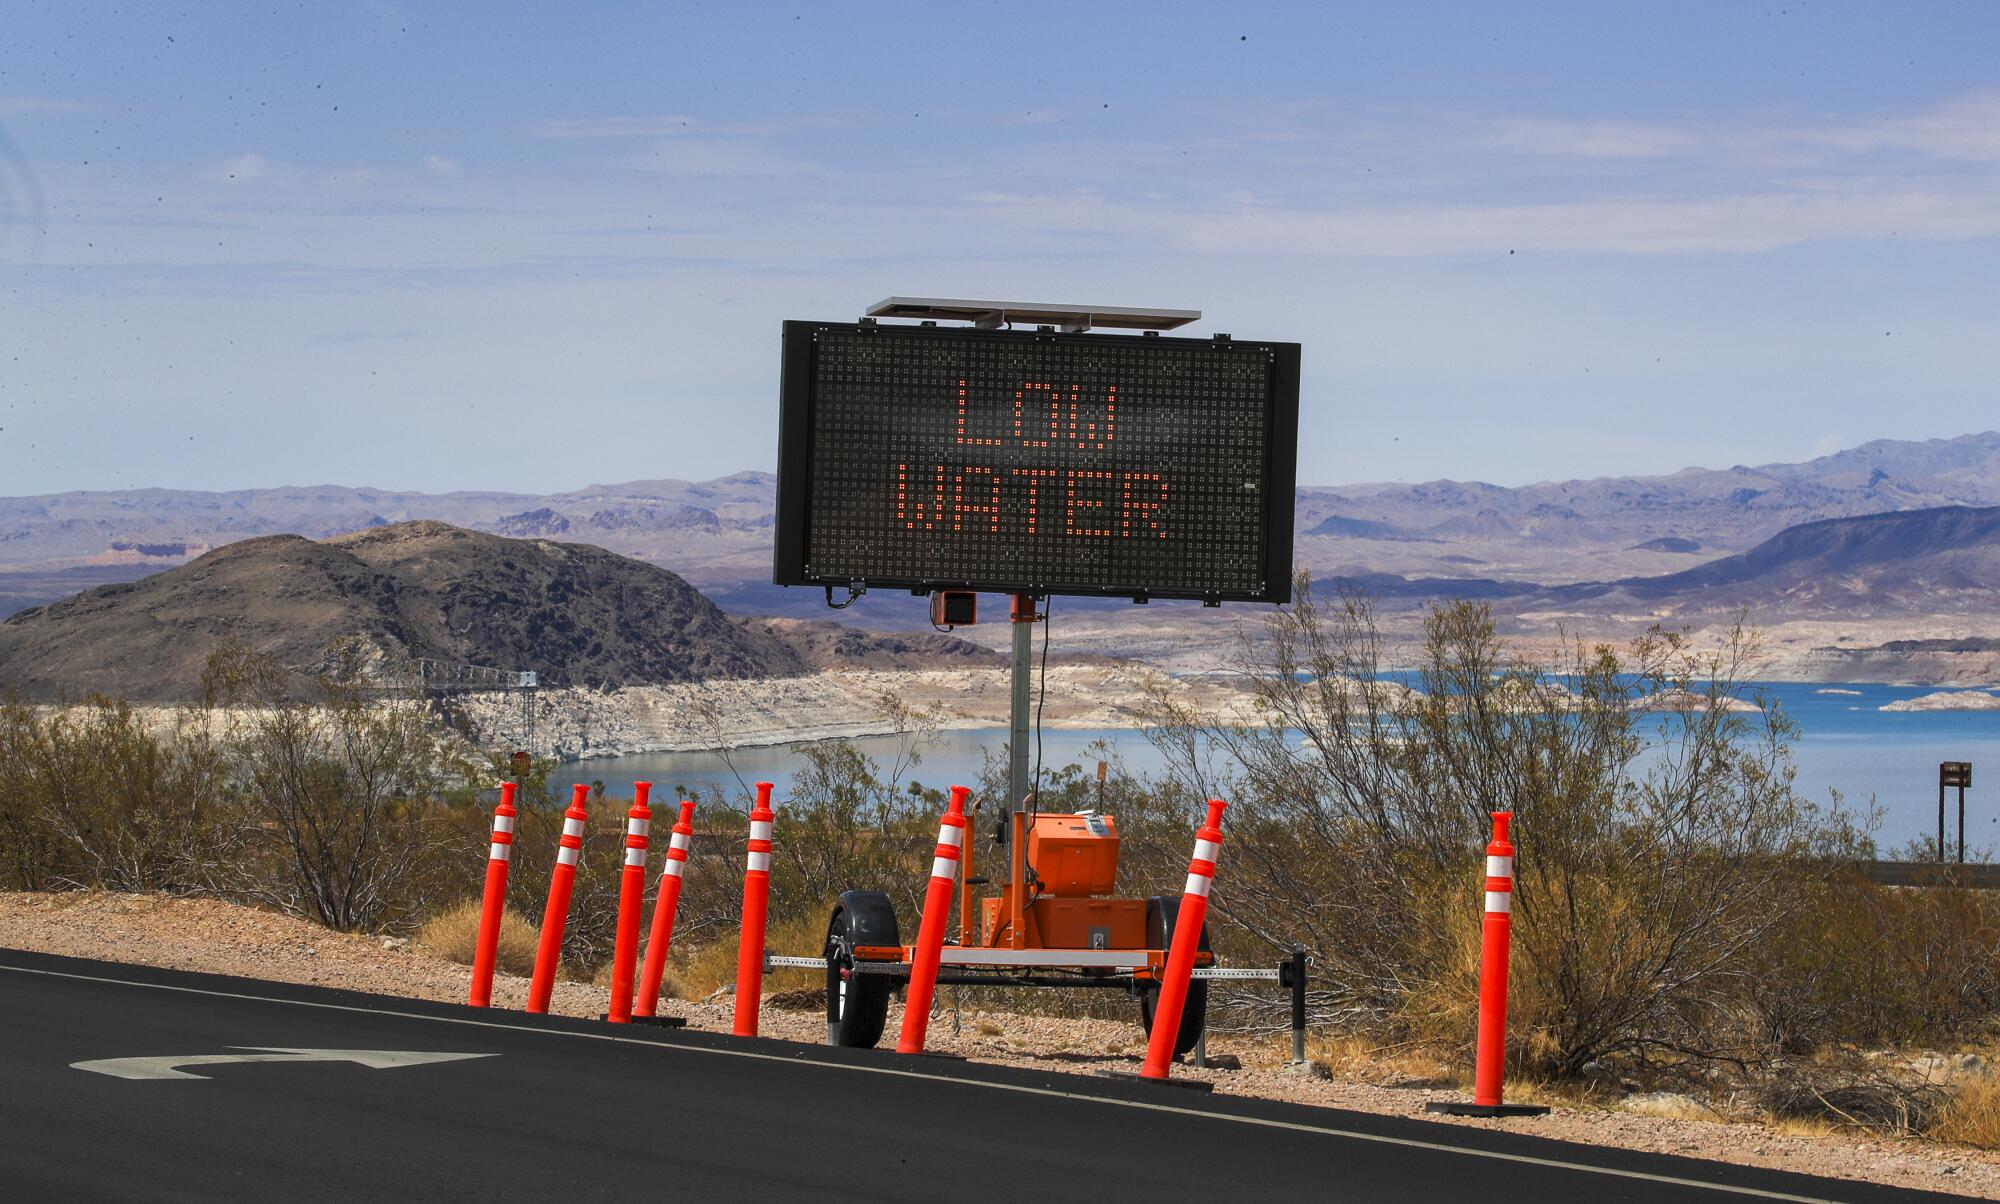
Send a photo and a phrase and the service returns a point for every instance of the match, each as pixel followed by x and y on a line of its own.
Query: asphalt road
pixel 559 1108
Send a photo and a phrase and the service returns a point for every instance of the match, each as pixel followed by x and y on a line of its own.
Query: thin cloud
pixel 41 106
pixel 1722 225
pixel 249 166
pixel 1593 139
pixel 714 157
pixel 612 127
pixel 1964 128
pixel 674 125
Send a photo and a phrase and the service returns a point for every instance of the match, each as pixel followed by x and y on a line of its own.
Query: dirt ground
pixel 214 937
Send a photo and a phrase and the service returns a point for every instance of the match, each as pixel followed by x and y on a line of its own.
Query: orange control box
pixel 1074 856
pixel 1071 923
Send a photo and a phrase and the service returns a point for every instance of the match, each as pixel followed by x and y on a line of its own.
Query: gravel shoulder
pixel 215 937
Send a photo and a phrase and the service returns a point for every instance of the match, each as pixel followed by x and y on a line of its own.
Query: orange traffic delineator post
pixel 555 917
pixel 756 902
pixel 493 904
pixel 930 932
pixel 1490 1062
pixel 1179 971
pixel 663 915
pixel 631 902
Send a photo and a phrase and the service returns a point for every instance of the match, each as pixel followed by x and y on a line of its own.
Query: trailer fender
pixel 871 918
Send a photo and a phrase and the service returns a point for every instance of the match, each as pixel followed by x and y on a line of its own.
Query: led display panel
pixel 1035 462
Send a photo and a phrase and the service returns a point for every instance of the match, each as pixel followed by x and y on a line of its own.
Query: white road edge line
pixel 1048 1092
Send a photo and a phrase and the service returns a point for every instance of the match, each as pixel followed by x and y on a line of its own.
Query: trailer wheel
pixel 1160 915
pixel 857 1005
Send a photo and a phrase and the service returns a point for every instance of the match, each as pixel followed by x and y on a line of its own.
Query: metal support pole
pixel 1018 785
pixel 1941 846
pixel 1296 972
pixel 1961 825
pixel 1201 1050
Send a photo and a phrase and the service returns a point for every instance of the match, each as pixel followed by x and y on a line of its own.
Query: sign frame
pixel 795 439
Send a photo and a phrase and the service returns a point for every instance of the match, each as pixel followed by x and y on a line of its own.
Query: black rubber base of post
pixel 1169 1081
pixel 1485 1111
pixel 659 1021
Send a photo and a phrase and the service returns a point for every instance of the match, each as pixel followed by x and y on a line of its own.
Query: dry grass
pixel 698 972
pixel 1806 1126
pixel 1972 1115
pixel 453 934
pixel 1356 1057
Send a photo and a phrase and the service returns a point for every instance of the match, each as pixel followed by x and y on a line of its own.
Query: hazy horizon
pixel 607 484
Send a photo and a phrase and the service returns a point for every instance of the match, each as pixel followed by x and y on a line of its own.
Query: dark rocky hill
pixel 1905 561
pixel 1847 546
pixel 828 645
pixel 575 614
pixel 1901 563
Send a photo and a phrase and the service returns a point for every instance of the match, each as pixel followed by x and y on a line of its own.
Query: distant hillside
pixel 1909 562
pixel 575 614
pixel 724 522
pixel 1637 524
pixel 1901 562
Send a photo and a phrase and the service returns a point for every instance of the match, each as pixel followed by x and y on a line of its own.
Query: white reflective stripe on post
pixel 1499 867
pixel 635 856
pixel 760 861
pixel 672 870
pixel 639 827
pixel 680 841
pixel 572 827
pixel 760 829
pixel 1205 850
pixel 500 852
pixel 503 823
pixel 952 835
pixel 565 855
pixel 1501 901
pixel 944 867
pixel 1196 885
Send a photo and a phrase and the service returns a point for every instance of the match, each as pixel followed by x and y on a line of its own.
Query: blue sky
pixel 529 247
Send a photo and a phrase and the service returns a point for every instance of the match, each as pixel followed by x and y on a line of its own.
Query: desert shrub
pixel 1879 965
pixel 1660 841
pixel 844 827
pixel 93 795
pixel 453 934
pixel 363 805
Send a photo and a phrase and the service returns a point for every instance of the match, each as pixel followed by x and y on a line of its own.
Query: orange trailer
pixel 1053 921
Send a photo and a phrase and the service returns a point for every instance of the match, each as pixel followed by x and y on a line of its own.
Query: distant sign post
pixel 1952 774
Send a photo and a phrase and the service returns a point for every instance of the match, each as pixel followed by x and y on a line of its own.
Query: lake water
pixel 1846 742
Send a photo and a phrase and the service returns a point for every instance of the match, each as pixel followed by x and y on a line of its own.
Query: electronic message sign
pixel 1035 462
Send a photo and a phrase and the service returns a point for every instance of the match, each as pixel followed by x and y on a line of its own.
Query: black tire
pixel 857 1005
pixel 1160 916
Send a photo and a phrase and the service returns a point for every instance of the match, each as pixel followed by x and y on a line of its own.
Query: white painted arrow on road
pixel 166 1068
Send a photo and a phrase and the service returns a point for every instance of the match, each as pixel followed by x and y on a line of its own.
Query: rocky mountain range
pixel 1406 540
